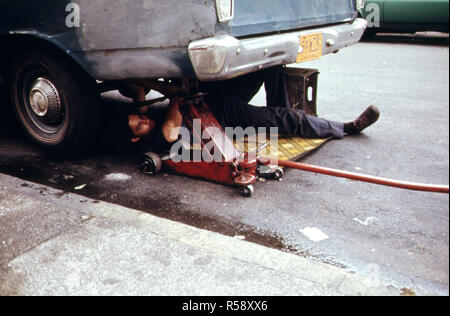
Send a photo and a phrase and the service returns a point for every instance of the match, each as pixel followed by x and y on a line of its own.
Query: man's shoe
pixel 368 118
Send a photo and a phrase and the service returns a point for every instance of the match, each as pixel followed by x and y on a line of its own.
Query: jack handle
pixel 366 178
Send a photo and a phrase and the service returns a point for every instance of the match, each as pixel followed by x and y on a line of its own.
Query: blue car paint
pixel 267 16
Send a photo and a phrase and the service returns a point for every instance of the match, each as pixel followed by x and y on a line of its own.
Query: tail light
pixel 225 10
pixel 359 4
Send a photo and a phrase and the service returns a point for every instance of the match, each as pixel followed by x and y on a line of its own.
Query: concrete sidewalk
pixel 53 243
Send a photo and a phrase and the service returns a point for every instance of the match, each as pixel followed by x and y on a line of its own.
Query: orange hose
pixel 366 178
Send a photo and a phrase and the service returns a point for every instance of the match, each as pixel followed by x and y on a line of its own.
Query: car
pixel 56 54
pixel 406 15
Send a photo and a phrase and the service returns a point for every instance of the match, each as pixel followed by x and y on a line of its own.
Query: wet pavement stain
pixel 54 174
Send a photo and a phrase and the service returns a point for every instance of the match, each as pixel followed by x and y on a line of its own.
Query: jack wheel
pixel 247 191
pixel 152 164
pixel 278 174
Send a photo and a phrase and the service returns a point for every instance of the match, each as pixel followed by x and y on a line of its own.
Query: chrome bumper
pixel 224 57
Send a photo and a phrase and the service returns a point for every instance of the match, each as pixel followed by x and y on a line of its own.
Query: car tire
pixel 370 34
pixel 56 104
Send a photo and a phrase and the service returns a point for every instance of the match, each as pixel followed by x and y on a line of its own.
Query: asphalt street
pixel 403 236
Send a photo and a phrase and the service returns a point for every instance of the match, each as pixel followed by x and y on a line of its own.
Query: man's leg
pixel 244 87
pixel 247 86
pixel 296 122
pixel 288 121
pixel 276 89
pixel 291 121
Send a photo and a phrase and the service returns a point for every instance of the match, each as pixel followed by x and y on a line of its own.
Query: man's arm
pixel 135 92
pixel 172 125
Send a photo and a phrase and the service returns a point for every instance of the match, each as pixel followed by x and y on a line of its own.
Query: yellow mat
pixel 289 148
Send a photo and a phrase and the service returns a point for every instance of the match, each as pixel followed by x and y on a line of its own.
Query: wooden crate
pixel 302 88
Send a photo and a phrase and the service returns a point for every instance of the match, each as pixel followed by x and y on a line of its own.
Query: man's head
pixel 141 126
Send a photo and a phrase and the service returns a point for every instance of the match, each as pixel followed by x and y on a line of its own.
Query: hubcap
pixel 45 101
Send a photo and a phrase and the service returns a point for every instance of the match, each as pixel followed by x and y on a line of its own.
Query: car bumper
pixel 225 57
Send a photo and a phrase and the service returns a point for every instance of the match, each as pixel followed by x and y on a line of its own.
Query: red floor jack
pixel 239 169
pixel 234 168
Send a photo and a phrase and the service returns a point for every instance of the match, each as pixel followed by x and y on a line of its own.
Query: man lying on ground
pixel 229 102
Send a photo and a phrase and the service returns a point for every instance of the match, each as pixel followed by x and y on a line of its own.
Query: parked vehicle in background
pixel 406 15
pixel 55 52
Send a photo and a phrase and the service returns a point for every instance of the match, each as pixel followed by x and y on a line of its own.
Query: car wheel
pixel 55 103
pixel 370 33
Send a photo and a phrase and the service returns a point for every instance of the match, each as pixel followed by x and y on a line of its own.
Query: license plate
pixel 310 47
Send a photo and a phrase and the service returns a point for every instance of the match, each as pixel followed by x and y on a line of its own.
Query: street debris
pixel 85 218
pixel 117 177
pixel 81 187
pixel 367 221
pixel 314 234
pixel 68 177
